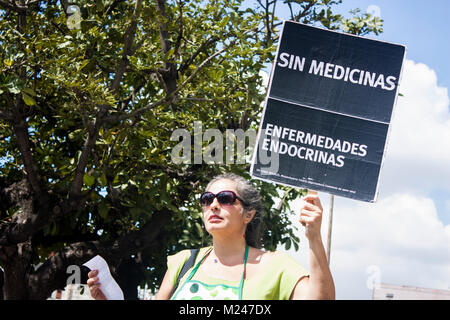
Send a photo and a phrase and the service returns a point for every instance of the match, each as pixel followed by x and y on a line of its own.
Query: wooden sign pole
pixel 330 226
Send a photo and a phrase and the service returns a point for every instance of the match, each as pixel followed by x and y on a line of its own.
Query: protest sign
pixel 327 113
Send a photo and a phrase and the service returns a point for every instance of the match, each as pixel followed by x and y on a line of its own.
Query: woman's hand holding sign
pixel 311 215
pixel 320 284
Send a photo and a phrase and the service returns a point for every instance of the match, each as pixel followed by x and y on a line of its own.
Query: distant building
pixel 384 291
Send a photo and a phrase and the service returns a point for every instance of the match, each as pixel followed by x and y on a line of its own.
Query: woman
pixel 234 267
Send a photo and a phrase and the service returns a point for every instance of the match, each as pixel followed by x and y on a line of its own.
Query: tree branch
pixel 29 219
pixel 18 228
pixel 65 4
pixel 163 29
pixel 94 127
pixel 169 77
pixel 93 131
pixel 180 33
pixel 23 142
pixel 305 11
pixel 5 115
pixel 52 274
pixel 112 6
pixel 204 63
pixel 127 50
pixel 202 47
pixel 13 6
pixel 172 96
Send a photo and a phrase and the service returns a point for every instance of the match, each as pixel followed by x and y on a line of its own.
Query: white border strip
pixel 325 110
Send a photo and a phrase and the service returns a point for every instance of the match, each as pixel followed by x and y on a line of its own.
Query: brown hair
pixel 251 201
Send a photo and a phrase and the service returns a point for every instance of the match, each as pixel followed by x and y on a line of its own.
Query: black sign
pixel 327 114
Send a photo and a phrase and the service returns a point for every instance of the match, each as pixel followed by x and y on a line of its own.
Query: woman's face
pixel 224 219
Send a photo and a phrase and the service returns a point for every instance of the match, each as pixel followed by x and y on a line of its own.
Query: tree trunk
pixel 129 276
pixel 15 272
pixel 1 284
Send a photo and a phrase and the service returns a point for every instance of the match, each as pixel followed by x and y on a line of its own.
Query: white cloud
pixel 418 152
pixel 401 235
pixel 447 205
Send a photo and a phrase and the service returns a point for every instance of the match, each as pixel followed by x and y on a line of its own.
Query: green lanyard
pixel 241 284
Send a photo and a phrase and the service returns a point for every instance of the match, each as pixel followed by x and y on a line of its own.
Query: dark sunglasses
pixel 224 197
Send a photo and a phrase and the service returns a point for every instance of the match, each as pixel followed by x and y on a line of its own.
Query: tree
pixel 89 97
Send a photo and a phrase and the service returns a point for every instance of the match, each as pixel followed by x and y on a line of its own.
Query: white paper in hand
pixel 109 286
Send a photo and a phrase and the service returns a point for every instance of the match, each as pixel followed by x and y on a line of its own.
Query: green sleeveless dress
pixel 198 290
pixel 275 282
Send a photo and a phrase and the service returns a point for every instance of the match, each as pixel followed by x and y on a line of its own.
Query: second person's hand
pixel 94 286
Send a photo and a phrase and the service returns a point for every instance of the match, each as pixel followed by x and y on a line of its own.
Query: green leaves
pixel 64 45
pixel 27 96
pixel 362 23
pixel 14 84
pixel 224 21
pixel 88 180
pixel 28 100
pixel 103 210
pixel 64 77
pixel 322 12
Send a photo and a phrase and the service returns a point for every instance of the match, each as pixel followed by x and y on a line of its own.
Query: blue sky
pixel 405 235
pixel 423 27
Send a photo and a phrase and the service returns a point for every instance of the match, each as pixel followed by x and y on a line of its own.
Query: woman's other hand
pixel 94 286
